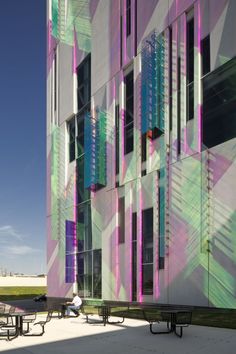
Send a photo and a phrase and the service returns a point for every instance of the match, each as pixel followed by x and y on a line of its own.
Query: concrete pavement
pixel 75 336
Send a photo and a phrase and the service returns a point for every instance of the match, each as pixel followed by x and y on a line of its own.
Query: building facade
pixel 141 150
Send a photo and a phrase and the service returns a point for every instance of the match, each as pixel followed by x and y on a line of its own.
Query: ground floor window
pixel 147 251
pixel 89 273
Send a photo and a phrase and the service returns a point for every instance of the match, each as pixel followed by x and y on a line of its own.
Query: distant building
pixel 141 150
pixel 22 280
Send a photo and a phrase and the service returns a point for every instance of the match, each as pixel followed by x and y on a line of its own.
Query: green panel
pixel 70 17
pixel 55 18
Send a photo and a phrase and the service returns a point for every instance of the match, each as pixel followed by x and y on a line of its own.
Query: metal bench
pixel 29 319
pixel 40 323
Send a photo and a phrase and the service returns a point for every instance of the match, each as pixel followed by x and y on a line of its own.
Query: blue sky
pixel 22 136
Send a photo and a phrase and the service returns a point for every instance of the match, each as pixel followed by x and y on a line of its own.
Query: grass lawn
pixel 20 292
pixel 212 317
pixel 223 318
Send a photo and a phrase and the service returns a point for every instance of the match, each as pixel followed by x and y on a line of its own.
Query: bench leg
pixel 180 331
pixel 36 334
pixel 158 332
pixel 9 337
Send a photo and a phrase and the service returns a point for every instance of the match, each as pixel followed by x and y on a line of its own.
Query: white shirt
pixel 77 301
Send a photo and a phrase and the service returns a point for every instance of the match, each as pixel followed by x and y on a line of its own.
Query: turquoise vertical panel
pixel 152 83
pixel 95 150
pixel 160 82
pixel 149 83
pixel 101 148
pixel 90 151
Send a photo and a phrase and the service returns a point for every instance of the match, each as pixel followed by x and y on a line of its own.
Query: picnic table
pixel 15 329
pixel 104 311
pixel 175 318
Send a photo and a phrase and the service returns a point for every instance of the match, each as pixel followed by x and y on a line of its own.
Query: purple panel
pixel 69 261
pixel 69 244
pixel 70 228
pixel 69 275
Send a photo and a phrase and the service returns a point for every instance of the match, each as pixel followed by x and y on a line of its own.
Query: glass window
pixel 117 127
pixel 128 17
pixel 190 69
pixel 134 256
pixel 147 251
pixel 80 135
pixel 71 131
pixel 219 105
pixel 83 194
pixel 85 273
pixel 97 274
pixel 84 82
pixel 206 61
pixel 144 147
pixel 70 251
pixel 129 138
pixel 55 81
pixel 190 100
pixel 134 271
pixel 134 226
pixel 84 227
pixel 170 79
pixel 90 273
pixel 147 270
pixel 89 260
pixel 161 221
pixel 121 220
pixel 190 50
pixel 179 109
pixel 80 264
pixel 129 112
pixel 121 40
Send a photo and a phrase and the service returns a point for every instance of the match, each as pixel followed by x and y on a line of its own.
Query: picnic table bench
pixel 105 310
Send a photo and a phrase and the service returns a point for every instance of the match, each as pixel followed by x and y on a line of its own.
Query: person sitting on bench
pixel 74 305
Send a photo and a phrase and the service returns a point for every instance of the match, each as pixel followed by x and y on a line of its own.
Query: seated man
pixel 74 305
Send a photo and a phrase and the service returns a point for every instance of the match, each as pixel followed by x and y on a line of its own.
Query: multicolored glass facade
pixel 141 175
